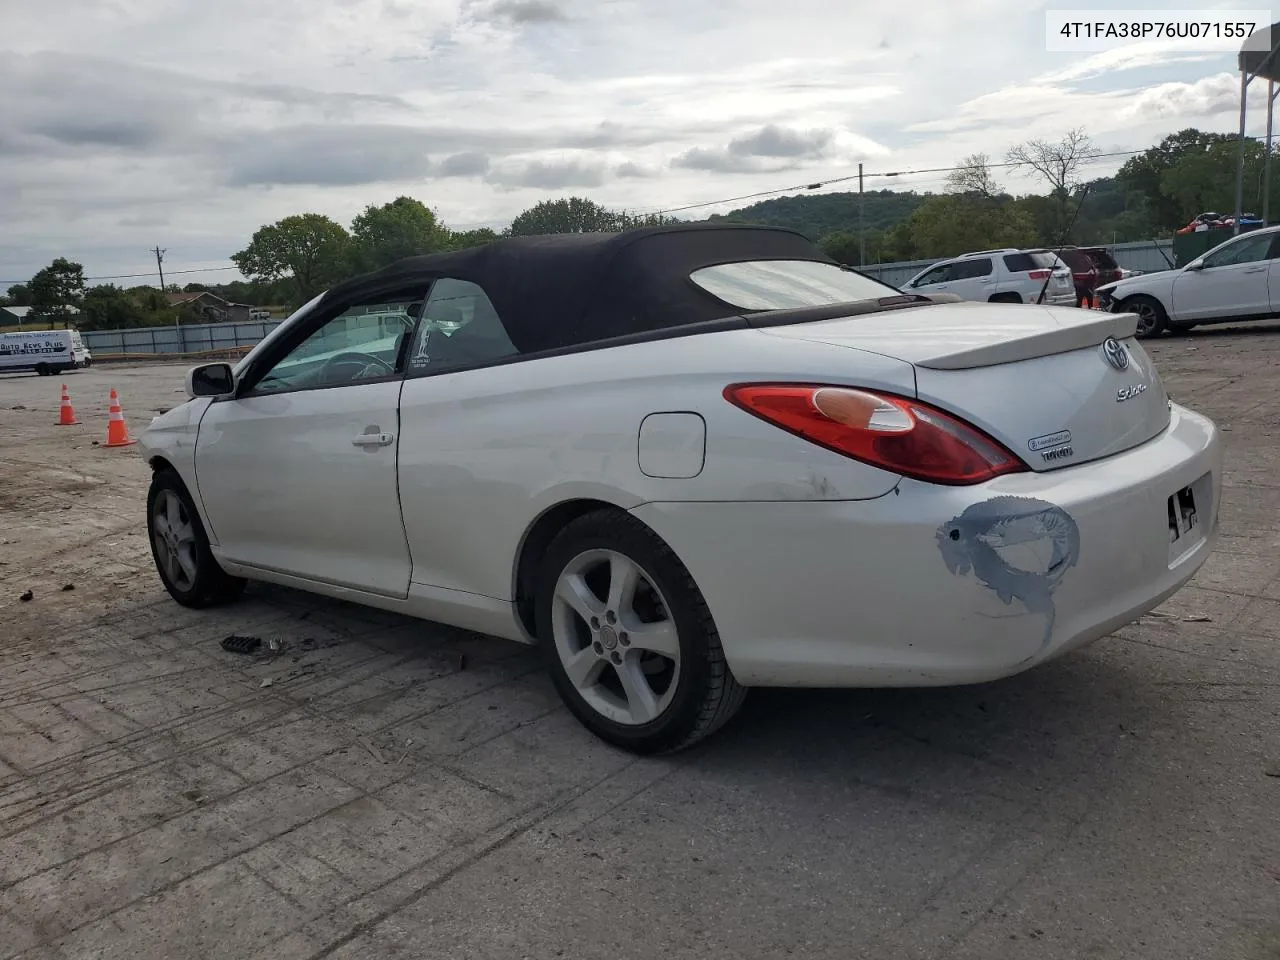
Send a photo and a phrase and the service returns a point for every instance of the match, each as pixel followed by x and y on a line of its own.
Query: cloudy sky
pixel 189 123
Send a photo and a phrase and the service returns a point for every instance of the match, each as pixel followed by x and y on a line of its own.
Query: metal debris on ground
pixel 267 682
pixel 235 644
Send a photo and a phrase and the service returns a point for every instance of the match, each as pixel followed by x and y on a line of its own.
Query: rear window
pixel 786 284
pixel 1104 260
pixel 1021 262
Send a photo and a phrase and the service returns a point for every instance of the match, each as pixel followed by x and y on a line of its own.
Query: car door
pixel 1229 281
pixel 974 279
pixel 297 472
pixel 463 512
pixel 935 280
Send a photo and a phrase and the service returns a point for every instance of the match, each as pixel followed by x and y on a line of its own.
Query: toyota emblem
pixel 1115 353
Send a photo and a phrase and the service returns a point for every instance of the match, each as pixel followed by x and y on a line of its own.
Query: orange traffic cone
pixel 117 429
pixel 67 413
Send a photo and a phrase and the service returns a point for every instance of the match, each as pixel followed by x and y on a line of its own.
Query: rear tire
pixel 1004 298
pixel 42 369
pixel 180 547
pixel 629 642
pixel 1152 319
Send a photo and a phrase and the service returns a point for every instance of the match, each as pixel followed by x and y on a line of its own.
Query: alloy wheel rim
pixel 1146 318
pixel 174 537
pixel 613 632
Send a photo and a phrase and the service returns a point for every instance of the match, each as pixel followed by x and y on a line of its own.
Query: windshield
pixel 786 284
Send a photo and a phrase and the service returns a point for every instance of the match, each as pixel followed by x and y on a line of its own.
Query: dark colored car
pixel 1091 267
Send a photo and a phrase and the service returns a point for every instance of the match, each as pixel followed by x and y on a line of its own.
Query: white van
pixel 44 351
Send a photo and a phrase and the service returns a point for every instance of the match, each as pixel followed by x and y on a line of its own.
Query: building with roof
pixel 209 307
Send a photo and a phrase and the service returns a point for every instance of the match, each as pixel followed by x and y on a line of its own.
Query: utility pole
pixel 862 233
pixel 177 321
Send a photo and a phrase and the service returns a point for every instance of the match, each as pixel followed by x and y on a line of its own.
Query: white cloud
pixel 210 119
pixel 1133 57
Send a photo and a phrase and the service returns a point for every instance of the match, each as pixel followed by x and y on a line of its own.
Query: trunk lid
pixel 1038 379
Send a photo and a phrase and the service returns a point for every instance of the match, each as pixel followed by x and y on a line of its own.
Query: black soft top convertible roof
pixel 561 290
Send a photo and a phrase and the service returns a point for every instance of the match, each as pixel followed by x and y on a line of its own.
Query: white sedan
pixel 691 460
pixel 1236 281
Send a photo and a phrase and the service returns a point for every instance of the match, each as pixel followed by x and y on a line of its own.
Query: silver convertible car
pixel 687 461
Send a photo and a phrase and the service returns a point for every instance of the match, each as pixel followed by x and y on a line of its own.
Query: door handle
pixel 373 439
pixel 1254 270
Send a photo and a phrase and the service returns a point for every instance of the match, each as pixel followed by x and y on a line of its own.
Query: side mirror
pixel 211 380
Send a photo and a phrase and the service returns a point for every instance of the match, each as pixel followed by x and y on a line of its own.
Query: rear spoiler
pixel 1088 333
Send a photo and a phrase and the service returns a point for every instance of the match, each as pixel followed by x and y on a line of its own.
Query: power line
pixel 891 173
pixel 134 276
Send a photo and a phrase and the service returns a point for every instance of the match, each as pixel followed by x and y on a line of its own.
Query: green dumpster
pixel 1188 246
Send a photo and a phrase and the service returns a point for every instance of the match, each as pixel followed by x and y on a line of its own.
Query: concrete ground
pixel 386 788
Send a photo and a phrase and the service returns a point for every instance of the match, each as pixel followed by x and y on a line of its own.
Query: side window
pixel 936 275
pixel 459 327
pixel 359 344
pixel 970 269
pixel 1247 250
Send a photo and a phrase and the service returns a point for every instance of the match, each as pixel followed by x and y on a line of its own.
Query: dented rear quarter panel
pixel 934 585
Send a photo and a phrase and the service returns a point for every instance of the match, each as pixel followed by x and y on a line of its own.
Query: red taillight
pixel 1038 274
pixel 894 433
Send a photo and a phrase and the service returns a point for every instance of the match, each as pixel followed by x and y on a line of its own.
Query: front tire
pixel 180 547
pixel 628 639
pixel 1152 319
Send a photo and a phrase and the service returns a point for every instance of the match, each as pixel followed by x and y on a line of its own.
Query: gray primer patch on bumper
pixel 974 541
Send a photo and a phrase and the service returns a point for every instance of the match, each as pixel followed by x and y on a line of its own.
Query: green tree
pixel 1144 174
pixel 1204 180
pixel 945 226
pixel 571 215
pixel 635 221
pixel 842 246
pixel 195 288
pixel 309 248
pixel 463 239
pixel 816 215
pixel 19 295
pixel 405 227
pixel 57 290
pixel 108 307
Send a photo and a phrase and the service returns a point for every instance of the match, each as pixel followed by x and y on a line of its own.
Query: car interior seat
pixel 483 338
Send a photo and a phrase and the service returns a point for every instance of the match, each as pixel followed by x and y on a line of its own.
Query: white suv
pixel 1000 276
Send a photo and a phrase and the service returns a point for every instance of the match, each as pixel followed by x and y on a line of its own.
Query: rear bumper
pixel 932 586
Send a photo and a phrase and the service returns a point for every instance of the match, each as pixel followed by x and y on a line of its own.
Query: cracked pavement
pixel 384 787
